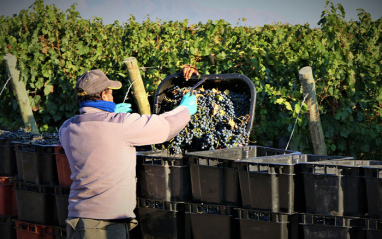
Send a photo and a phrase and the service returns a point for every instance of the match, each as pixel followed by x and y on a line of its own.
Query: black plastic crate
pixel 335 187
pixel 163 176
pixel 7 227
pixel 160 219
pixel 206 221
pixel 214 181
pixel 373 234
pixel 214 176
pixel 36 163
pixel 61 195
pixel 373 177
pixel 268 183
pixel 60 232
pixel 262 224
pixel 35 203
pixel 273 183
pixel 316 226
pixel 8 166
pixel 233 82
pixel 19 164
pixel 373 228
pixel 300 188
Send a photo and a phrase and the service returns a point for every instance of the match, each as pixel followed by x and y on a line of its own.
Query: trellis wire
pixel 131 84
pixel 5 85
pixel 296 122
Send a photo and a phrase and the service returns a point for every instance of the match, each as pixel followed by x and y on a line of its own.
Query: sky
pixel 257 13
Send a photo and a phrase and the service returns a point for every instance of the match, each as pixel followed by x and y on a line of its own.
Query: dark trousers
pixel 84 228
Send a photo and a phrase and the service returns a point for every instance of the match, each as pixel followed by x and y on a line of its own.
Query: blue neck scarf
pixel 99 104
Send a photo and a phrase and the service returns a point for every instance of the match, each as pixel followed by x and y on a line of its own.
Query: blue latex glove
pixel 190 102
pixel 123 108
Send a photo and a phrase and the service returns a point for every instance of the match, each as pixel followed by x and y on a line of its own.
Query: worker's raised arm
pixel 156 129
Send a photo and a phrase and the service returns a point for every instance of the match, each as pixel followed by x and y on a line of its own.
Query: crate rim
pixel 42 145
pixel 199 155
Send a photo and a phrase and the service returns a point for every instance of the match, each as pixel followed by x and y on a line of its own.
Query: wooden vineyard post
pixel 138 87
pixel 315 128
pixel 21 94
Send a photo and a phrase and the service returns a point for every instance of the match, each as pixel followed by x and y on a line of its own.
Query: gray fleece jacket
pixel 100 149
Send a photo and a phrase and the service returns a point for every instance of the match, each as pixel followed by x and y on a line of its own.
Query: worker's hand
pixel 189 100
pixel 188 71
pixel 123 108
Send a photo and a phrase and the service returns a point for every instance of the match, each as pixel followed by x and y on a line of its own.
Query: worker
pixel 99 144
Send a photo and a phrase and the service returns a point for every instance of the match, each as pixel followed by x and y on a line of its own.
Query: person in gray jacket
pixel 100 146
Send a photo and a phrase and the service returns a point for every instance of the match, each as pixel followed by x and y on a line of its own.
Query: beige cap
pixel 95 81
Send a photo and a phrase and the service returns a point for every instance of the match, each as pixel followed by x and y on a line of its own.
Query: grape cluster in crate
pixel 220 121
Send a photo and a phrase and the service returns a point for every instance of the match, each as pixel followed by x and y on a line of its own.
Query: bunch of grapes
pixel 24 136
pixel 220 121
pixel 46 139
pixel 21 135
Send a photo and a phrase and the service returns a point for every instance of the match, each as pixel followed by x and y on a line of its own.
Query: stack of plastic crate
pixel 37 190
pixel 8 173
pixel 8 207
pixel 268 191
pixel 220 190
pixel 62 191
pixel 335 199
pixel 163 187
pixel 373 178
